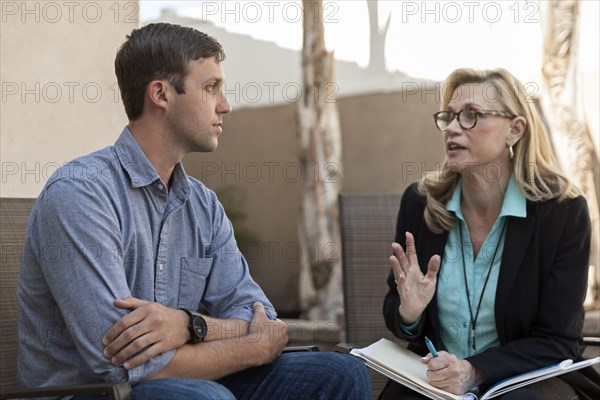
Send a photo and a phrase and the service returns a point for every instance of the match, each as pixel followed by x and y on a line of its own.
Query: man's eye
pixel 212 87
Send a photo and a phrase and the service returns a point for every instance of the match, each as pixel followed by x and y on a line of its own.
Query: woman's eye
pixel 446 116
pixel 470 114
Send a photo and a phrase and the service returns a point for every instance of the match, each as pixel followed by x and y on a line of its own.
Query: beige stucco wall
pixel 59 97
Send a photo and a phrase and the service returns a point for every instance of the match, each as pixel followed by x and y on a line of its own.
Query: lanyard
pixel 474 319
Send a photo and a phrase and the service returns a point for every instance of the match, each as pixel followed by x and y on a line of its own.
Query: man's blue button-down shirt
pixel 105 227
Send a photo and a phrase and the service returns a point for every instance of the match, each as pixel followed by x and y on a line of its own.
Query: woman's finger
pixel 411 250
pixel 396 269
pixel 401 256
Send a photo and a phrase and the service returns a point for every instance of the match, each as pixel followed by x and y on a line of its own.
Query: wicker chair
pixel 368 223
pixel 14 214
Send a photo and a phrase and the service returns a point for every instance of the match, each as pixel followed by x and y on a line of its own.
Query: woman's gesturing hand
pixel 415 289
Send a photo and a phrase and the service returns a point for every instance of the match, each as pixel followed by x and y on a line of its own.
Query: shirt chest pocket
pixel 194 274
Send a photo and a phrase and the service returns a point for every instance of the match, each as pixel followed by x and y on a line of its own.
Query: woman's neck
pixel 481 204
pixel 483 197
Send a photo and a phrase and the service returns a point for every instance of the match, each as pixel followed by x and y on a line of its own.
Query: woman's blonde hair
pixel 535 168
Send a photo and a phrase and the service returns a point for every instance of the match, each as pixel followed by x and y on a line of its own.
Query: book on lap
pixel 405 367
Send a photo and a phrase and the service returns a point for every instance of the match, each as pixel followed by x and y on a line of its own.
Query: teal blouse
pixel 454 315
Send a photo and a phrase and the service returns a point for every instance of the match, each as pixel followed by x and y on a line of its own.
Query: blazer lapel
pixel 518 236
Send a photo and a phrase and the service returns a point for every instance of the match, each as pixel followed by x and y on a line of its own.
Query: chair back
pixel 14 214
pixel 368 223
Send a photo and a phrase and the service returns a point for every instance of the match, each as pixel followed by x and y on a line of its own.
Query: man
pixel 123 247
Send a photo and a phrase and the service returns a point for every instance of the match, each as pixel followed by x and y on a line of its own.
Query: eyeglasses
pixel 467 117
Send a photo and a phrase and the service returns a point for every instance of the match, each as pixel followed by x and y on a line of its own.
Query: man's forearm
pixel 211 360
pixel 224 329
pixel 151 329
pixel 217 358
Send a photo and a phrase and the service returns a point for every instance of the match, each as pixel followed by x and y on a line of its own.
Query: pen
pixel 430 346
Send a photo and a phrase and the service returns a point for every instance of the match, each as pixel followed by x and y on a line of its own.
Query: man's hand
pixel 450 373
pixel 269 337
pixel 148 330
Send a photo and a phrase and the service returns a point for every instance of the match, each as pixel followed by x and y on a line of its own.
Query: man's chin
pixel 206 147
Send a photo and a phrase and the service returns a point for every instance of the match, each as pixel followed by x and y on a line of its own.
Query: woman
pixel 491 253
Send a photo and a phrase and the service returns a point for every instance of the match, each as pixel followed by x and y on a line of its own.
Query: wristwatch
pixel 197 326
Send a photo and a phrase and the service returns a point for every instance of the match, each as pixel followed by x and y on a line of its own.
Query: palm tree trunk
pixel 564 112
pixel 320 145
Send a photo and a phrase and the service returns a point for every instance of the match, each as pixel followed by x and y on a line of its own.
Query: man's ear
pixel 517 130
pixel 157 94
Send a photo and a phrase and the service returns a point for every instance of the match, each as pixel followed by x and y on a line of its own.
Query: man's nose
pixel 224 107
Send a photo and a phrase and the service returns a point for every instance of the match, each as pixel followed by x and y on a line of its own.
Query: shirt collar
pixel 514 203
pixel 140 169
pixel 134 161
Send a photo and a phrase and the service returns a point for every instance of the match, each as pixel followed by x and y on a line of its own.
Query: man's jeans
pixel 301 376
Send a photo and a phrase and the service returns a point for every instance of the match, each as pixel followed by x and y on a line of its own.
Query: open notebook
pixel 403 366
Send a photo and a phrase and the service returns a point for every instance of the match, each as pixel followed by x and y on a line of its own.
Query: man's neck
pixel 155 143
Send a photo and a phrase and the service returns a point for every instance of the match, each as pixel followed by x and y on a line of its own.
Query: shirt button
pixel 160 267
pixel 160 186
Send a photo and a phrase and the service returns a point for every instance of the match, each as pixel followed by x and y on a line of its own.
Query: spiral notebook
pixel 405 367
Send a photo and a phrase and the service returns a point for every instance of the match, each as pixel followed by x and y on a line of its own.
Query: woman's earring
pixel 511 152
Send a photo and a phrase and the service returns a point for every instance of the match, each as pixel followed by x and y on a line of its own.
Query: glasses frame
pixel 478 112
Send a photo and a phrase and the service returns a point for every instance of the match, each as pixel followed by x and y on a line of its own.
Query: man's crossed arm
pixel 231 345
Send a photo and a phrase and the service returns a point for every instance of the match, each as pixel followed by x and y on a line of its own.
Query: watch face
pixel 199 325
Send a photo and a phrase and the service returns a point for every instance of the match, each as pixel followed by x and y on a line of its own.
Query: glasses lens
pixel 467 118
pixel 443 119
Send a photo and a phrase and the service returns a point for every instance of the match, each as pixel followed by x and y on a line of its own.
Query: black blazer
pixel 541 285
